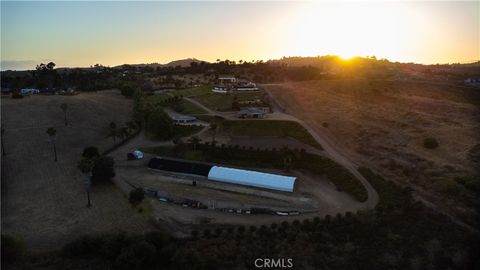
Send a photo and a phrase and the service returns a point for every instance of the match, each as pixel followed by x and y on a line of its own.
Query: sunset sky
pixel 113 33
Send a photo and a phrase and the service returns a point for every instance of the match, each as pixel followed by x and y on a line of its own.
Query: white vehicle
pixel 278 213
pixel 138 154
pixel 29 91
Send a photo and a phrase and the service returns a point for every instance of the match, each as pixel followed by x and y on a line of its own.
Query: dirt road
pixel 331 149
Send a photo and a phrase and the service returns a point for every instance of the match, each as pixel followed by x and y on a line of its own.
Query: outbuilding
pixel 252 178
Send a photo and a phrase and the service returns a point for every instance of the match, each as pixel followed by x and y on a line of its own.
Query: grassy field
pixel 186 107
pixel 44 201
pixel 315 164
pixel 269 128
pixel 223 102
pixel 191 92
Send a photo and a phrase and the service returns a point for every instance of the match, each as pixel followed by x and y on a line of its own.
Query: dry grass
pixel 44 201
pixel 382 124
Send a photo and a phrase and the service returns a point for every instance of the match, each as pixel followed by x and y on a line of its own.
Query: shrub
pixel 103 169
pixel 17 95
pixel 430 143
pixel 90 152
pixel 136 196
pixel 12 249
pixel 160 125
pixel 273 226
pixel 127 91
pixel 325 124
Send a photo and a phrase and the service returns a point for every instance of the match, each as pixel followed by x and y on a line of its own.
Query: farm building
pixel 224 174
pixel 179 119
pixel 179 166
pixel 252 178
pixel 253 112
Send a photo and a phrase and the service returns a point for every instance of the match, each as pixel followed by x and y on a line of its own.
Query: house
pixel 182 119
pixel 229 83
pixel 472 82
pixel 253 112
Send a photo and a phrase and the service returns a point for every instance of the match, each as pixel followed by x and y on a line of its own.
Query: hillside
pixel 383 125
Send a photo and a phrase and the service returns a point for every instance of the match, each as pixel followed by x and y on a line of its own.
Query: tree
pixel 127 91
pixel 136 196
pixel 52 134
pixel 64 108
pixel 194 140
pixel 160 124
pixel 90 152
pixel 112 131
pixel 103 169
pixel 85 165
pixel 139 255
pixel 13 250
pixel 213 129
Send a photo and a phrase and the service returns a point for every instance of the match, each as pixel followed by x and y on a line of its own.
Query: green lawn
pixel 223 102
pixel 269 128
pixel 178 131
pixel 190 92
pixel 186 107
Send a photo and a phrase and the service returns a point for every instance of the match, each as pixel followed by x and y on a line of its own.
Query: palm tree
pixel 52 132
pixel 85 165
pixel 194 140
pixel 113 132
pixel 213 128
pixel 64 108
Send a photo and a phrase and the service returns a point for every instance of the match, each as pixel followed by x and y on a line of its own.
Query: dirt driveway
pixel 44 201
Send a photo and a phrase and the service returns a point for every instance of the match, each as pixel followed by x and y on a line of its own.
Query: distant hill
pixel 181 62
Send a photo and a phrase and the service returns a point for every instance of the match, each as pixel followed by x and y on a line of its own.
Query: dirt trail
pixel 331 148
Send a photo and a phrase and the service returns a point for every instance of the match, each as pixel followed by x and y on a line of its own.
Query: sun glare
pixel 346 30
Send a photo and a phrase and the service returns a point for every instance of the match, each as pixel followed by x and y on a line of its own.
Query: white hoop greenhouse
pixel 252 178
